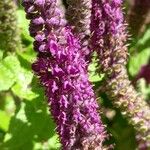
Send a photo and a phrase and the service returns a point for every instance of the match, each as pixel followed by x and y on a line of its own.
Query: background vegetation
pixel 25 122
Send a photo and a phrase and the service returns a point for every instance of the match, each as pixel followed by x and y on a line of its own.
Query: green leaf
pixel 23 23
pixel 29 55
pixel 22 76
pixel 31 128
pixel 54 142
pixel 13 73
pixel 7 78
pixel 23 91
pixel 4 120
pixel 93 76
pixel 12 63
pixel 145 38
pixel 22 87
pixel 136 61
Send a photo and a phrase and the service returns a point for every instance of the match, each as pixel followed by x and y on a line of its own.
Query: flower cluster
pixel 61 69
pixel 109 38
pixel 9 35
pixel 79 16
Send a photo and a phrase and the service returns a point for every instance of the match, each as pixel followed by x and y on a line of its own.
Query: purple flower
pixel 79 16
pixel 109 40
pixel 62 71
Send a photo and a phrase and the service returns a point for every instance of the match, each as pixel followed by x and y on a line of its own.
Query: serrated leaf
pixel 22 76
pixel 22 88
pixel 29 55
pixel 138 60
pixel 7 78
pixel 12 64
pixel 13 73
pixel 24 92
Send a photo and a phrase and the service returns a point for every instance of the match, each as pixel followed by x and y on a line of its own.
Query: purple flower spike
pixel 62 71
pixel 79 16
pixel 109 38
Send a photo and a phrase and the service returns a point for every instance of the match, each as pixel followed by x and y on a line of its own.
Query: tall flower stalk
pixel 79 16
pixel 61 69
pixel 9 31
pixel 109 38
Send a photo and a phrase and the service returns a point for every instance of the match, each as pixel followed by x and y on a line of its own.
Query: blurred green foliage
pixel 25 121
pixel 140 53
